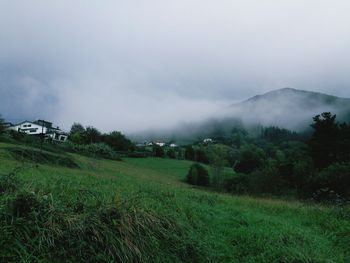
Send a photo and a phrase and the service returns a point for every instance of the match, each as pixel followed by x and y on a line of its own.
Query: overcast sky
pixel 132 65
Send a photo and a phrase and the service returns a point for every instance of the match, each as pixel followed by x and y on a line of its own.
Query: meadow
pixel 141 210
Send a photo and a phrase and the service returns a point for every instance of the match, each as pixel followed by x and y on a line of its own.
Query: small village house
pixel 40 127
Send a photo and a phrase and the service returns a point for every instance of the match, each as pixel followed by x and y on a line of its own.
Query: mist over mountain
pixel 288 108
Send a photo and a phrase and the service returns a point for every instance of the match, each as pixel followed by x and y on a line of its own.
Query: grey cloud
pixel 133 65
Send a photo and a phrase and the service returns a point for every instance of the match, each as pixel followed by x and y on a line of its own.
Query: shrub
pixel 158 151
pixel 201 156
pixel 334 178
pixel 94 150
pixel 266 180
pixel 8 182
pixel 189 153
pixel 118 141
pixel 263 181
pixel 326 195
pixel 238 184
pixel 18 136
pixel 171 154
pixel 251 158
pixel 198 175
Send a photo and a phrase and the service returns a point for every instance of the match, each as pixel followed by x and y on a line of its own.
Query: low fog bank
pixel 285 108
pixel 289 108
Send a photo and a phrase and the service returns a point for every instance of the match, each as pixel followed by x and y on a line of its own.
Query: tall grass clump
pixel 35 227
pixel 198 175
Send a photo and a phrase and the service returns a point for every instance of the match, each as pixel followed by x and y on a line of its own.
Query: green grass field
pixel 209 226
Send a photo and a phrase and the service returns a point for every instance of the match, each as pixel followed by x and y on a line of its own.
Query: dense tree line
pixel 90 135
pixel 283 162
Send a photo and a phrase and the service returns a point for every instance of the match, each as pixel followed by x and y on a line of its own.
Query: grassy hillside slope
pixel 162 218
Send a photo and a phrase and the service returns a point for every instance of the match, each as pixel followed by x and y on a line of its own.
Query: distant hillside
pixel 289 108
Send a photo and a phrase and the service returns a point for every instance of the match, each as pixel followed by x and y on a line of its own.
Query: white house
pixel 208 140
pixel 40 127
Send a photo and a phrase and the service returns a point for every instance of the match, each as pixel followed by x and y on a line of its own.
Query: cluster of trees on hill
pixel 89 135
pixel 89 140
pixel 282 162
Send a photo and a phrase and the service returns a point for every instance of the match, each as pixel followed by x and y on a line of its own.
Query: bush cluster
pixel 198 175
pixel 94 150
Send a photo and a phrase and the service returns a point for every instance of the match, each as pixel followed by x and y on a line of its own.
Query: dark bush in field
pixel 238 184
pixel 198 175
pixel 117 141
pixel 158 151
pixel 266 180
pixel 335 178
pixel 201 156
pixel 171 154
pixel 189 153
pixel 8 183
pixel 251 158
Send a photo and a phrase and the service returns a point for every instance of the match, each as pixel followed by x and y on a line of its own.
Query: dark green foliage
pixel 238 184
pixel 8 182
pixel 117 141
pixel 330 141
pixel 238 137
pixel 336 178
pixel 77 128
pixel 264 180
pixel 76 134
pixel 91 135
pixel 18 136
pixel 201 156
pixel 171 154
pixel 251 158
pixel 198 175
pixel 277 135
pixel 94 150
pixel 189 153
pixel 158 151
pixel 196 154
pixel 41 157
pixel 24 203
